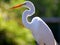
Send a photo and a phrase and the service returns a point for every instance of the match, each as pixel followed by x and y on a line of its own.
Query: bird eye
pixel 24 3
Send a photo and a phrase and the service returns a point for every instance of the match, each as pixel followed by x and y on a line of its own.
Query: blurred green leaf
pixel 10 22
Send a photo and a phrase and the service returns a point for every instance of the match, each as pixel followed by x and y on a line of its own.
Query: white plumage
pixel 41 32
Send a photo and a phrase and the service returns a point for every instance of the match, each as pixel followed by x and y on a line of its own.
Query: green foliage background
pixel 11 28
pixel 47 8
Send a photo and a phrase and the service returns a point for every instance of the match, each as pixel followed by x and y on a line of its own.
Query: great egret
pixel 41 32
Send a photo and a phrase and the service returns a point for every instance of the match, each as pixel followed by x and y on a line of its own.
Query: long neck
pixel 27 13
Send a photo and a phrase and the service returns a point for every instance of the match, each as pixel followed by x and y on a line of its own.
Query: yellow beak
pixel 17 6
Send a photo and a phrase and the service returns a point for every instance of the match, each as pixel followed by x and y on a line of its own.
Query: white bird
pixel 40 30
